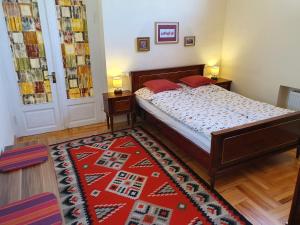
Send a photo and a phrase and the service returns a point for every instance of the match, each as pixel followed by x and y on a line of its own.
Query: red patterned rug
pixel 130 178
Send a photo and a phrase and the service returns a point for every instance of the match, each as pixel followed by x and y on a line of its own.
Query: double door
pixel 49 54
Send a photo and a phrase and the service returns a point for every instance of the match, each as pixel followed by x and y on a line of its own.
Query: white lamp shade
pixel 215 70
pixel 117 82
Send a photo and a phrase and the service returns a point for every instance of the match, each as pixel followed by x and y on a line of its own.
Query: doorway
pixel 52 63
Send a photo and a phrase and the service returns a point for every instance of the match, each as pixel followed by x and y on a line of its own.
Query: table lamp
pixel 214 71
pixel 117 84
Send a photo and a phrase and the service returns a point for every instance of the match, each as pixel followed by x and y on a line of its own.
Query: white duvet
pixel 210 108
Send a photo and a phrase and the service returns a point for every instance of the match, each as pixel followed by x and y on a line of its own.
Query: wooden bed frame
pixel 232 147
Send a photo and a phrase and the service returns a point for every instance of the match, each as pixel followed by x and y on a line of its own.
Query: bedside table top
pixel 222 80
pixel 113 95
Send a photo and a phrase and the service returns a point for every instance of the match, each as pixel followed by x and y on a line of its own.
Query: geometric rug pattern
pixel 130 178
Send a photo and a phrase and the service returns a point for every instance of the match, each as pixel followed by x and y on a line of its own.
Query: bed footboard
pixel 235 146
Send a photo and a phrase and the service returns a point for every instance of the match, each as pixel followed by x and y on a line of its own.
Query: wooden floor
pixel 262 192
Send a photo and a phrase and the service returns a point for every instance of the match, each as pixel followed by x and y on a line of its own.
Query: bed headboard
pixel 172 74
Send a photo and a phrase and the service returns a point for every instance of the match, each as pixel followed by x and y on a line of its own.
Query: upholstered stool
pixel 17 157
pixel 38 209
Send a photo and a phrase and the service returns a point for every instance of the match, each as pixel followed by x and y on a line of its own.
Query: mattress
pixel 198 138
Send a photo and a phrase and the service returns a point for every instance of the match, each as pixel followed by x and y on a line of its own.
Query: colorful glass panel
pixel 27 45
pixel 71 15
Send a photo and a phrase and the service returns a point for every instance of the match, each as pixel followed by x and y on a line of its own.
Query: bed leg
pixel 212 182
pixel 143 115
pixel 298 152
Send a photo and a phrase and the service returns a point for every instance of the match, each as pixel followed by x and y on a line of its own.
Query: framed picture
pixel 143 44
pixel 167 33
pixel 189 41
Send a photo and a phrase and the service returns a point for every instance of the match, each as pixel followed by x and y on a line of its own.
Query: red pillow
pixel 197 81
pixel 161 85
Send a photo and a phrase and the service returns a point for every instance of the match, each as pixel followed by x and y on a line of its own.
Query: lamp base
pixel 118 91
pixel 214 78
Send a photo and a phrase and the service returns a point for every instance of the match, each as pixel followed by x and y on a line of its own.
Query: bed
pixel 226 149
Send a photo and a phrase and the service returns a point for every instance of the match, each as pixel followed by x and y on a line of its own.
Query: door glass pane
pixel 71 15
pixel 27 45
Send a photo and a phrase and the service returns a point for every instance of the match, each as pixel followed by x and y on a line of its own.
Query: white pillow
pixel 145 93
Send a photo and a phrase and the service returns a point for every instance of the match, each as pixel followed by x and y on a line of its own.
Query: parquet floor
pixel 262 191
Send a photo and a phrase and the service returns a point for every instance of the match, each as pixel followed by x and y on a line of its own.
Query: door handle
pixel 53 75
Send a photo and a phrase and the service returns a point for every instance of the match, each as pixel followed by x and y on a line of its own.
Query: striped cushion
pixel 39 209
pixel 23 157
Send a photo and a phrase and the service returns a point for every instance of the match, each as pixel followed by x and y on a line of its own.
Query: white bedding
pixel 196 137
pixel 209 108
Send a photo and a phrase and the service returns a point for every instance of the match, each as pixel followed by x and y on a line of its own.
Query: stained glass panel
pixel 27 45
pixel 71 15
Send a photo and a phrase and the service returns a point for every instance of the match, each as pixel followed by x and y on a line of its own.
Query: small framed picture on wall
pixel 166 33
pixel 143 44
pixel 189 41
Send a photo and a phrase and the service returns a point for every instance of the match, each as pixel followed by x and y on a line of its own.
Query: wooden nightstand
pixel 117 105
pixel 224 83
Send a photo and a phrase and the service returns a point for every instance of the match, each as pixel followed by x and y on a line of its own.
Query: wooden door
pixel 26 51
pixel 72 26
pixel 53 71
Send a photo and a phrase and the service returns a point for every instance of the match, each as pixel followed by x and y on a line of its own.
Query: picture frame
pixel 143 44
pixel 189 41
pixel 166 32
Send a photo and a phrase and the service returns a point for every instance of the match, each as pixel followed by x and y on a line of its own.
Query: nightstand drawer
pixel 121 105
pixel 226 86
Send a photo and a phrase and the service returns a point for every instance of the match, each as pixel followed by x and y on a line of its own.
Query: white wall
pixel 96 41
pixel 261 47
pixel 7 129
pixel 124 21
pixel 7 132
